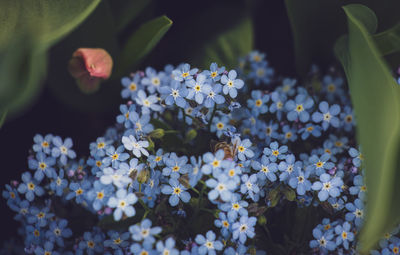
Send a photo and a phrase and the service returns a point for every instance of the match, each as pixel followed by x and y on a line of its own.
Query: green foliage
pixel 376 101
pixel 126 11
pixel 34 26
pixel 141 42
pixel 229 45
pixel 317 24
pixel 388 42
pixel 3 117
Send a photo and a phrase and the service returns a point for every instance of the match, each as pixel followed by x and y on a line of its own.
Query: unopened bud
pixel 157 133
pixel 143 176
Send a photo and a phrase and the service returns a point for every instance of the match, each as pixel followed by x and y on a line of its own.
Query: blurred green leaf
pixel 47 20
pixel 316 25
pixel 3 116
pixel 376 100
pixel 126 11
pixel 141 42
pixel 22 68
pixel 228 46
pixel 388 41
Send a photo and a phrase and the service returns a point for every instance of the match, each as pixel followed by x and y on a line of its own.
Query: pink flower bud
pixel 89 67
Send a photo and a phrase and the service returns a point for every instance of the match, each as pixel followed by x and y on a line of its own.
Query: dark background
pixel 48 115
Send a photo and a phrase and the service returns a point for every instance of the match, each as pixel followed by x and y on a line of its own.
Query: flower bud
pixel 157 133
pixel 143 176
pixel 89 67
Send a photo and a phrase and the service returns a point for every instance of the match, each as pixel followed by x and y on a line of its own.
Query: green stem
pixel 195 190
pixel 212 117
pixel 184 121
pixel 170 132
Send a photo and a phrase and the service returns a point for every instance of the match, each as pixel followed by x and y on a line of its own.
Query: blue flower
pixel 249 186
pixel 327 115
pixel 213 96
pixel 347 117
pixel 235 208
pixel 137 147
pixel 140 249
pixel 298 108
pixel 222 187
pixel 39 217
pixel 58 231
pixel 30 187
pixel 261 72
pixel 287 87
pixel 278 103
pixel 224 224
pixel 58 184
pixel 310 129
pixel 243 150
pixel 99 194
pixel 118 177
pixel 270 132
pixel 265 168
pixel 153 80
pixel 144 232
pixel 123 202
pixel 98 148
pixel 323 240
pixel 118 241
pixel 177 192
pixel 11 194
pixel 332 86
pixel 156 160
pixel 275 152
pixel 63 149
pixel 214 72
pixel 320 165
pixel 43 165
pixel 43 143
pixel 126 113
pixel 213 162
pixel 34 235
pixel 300 182
pixel 356 212
pixel 115 156
pixel 141 124
pixel 195 172
pixel 175 93
pixel 131 86
pixel 184 73
pixel 46 249
pixel 78 190
pixel 208 244
pixel 344 235
pixel 220 124
pixel 231 84
pixel 359 188
pixel 357 157
pixel 147 102
pixel 327 186
pixel 198 88
pixel 288 167
pixel 92 243
pixel 289 134
pixel 175 166
pixel 168 247
pixel 244 228
pixel 257 103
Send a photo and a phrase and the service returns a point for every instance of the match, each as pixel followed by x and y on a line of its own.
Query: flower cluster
pixel 152 185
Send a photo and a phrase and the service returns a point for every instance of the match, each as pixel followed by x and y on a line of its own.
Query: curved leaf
pixel 388 41
pixel 141 42
pixel 47 20
pixel 3 117
pixel 226 48
pixel 376 99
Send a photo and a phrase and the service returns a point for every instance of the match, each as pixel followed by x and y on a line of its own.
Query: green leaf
pixel 126 11
pixel 316 25
pixel 141 42
pixel 22 68
pixel 47 20
pixel 3 116
pixel 388 41
pixel 228 46
pixel 376 100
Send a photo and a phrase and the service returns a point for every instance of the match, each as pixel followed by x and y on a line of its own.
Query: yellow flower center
pixel 132 86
